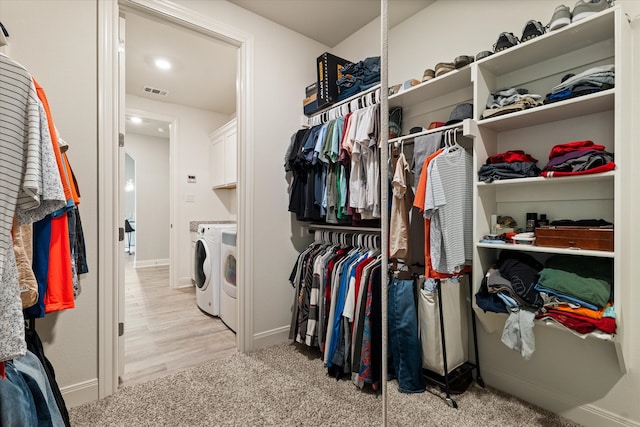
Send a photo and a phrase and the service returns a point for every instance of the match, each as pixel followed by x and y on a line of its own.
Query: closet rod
pixel 409 139
pixel 324 115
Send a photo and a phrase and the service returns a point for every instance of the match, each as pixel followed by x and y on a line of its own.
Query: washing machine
pixel 229 285
pixel 207 266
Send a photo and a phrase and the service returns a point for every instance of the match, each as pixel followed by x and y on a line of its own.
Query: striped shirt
pixel 19 129
pixel 449 203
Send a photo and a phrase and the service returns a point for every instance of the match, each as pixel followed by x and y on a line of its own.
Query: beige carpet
pixel 286 385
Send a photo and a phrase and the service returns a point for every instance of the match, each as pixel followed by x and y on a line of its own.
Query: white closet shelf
pixel 442 85
pixel 540 180
pixel 338 227
pixel 556 43
pixel 571 108
pixel 547 249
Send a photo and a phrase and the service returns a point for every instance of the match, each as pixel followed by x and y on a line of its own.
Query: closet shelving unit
pixel 603 117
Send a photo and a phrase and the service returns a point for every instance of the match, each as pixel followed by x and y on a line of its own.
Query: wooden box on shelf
pixel 595 238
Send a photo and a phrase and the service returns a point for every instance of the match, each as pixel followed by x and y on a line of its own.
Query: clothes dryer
pixel 229 285
pixel 207 266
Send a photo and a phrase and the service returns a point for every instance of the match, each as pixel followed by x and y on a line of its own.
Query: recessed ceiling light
pixel 136 120
pixel 163 64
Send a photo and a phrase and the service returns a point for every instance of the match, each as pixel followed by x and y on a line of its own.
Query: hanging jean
pixel 405 360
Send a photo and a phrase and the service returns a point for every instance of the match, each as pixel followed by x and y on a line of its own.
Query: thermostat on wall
pixel 191 178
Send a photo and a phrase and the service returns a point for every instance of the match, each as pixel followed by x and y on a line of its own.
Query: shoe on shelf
pixel 505 41
pixel 532 29
pixel 483 54
pixel 462 60
pixel 444 67
pixel 561 17
pixel 585 8
pixel 428 74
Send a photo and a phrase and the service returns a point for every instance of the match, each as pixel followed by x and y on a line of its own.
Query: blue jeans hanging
pixel 404 359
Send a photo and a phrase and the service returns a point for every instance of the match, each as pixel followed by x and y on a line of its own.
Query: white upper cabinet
pixel 223 154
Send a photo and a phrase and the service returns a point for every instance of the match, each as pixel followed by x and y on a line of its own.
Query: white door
pixel 121 194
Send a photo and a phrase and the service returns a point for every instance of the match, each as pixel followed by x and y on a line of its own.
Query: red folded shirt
pixel 581 324
pixel 561 149
pixel 598 169
pixel 510 157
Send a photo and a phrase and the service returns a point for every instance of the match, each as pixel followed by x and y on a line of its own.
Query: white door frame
pixel 109 248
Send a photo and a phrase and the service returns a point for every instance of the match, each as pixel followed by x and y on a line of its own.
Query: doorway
pixel 151 349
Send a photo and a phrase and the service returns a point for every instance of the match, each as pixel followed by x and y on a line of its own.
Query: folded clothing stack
pixel 589 81
pixel 359 76
pixel 577 293
pixel 510 100
pixel 578 158
pixel 508 165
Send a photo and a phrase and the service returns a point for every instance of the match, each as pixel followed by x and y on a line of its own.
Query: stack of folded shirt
pixel 505 101
pixel 358 77
pixel 578 158
pixel 592 80
pixel 508 165
pixel 577 293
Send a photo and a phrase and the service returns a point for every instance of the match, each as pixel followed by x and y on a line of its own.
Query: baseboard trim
pixel 587 415
pixel 151 263
pixel 185 282
pixel 80 393
pixel 271 337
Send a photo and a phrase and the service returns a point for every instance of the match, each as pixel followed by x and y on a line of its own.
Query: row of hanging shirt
pixel 335 166
pixel 443 198
pixel 337 304
pixel 41 239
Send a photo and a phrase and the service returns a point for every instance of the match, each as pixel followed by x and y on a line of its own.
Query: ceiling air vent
pixel 155 91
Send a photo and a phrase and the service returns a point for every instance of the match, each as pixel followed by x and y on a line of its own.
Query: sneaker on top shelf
pixel 561 17
pixel 585 8
pixel 505 41
pixel 532 29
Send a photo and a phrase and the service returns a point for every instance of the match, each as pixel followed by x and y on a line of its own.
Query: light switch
pixel 191 179
pixel 189 197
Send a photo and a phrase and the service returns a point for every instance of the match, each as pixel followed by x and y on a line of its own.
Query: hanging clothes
pixel 334 168
pixel 332 281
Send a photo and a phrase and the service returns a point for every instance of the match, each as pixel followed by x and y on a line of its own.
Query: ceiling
pixel 203 73
pixel 330 21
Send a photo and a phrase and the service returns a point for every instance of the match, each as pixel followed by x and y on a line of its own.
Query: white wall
pixel 194 126
pixel 577 378
pixel 151 155
pixel 64 63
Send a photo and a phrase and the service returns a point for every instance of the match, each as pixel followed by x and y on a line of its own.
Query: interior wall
pixel 64 63
pixel 577 378
pixel 152 197
pixel 194 126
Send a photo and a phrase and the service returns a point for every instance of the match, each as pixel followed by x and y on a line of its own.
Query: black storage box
pixel 328 68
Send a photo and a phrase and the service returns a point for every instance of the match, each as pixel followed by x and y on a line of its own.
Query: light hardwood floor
pixel 164 329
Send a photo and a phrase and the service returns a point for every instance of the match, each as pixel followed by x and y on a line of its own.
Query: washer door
pixel 202 265
pixel 229 274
